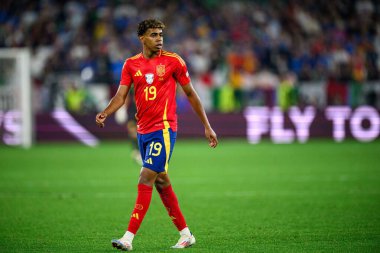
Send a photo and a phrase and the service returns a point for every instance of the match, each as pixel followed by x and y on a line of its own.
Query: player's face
pixel 153 39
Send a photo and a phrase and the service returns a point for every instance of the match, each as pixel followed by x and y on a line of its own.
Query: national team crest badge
pixel 160 70
pixel 149 78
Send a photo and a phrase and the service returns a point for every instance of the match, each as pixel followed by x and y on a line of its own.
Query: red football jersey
pixel 155 86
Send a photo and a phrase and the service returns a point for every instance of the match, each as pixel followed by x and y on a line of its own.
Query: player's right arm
pixel 115 103
pixel 119 99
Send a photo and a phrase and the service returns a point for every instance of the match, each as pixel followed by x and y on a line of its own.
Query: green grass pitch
pixel 316 197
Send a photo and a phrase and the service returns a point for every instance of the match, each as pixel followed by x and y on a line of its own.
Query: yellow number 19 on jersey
pixel 150 93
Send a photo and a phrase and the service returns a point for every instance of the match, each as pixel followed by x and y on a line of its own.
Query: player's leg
pixel 170 201
pixel 153 151
pixel 153 163
pixel 169 198
pixel 144 196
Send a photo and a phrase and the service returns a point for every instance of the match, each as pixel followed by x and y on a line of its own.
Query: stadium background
pixel 239 54
pixel 321 196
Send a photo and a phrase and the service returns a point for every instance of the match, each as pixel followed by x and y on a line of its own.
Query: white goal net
pixel 16 116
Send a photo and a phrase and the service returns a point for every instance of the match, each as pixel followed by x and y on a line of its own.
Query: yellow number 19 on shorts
pixel 154 148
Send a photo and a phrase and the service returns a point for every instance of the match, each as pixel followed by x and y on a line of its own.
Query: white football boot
pixel 184 241
pixel 122 245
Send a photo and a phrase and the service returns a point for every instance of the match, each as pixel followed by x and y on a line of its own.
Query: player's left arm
pixel 197 106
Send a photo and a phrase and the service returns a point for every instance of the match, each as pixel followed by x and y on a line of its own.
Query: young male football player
pixel 154 73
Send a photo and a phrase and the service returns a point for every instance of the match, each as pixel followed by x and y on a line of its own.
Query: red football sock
pixel 144 195
pixel 170 201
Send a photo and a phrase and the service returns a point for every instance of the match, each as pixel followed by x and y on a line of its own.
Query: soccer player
pixel 154 73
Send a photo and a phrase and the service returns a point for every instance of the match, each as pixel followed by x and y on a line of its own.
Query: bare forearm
pixel 196 104
pixel 115 103
pixel 118 100
pixel 199 110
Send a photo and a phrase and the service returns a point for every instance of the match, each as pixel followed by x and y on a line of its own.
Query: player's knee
pixel 145 181
pixel 147 177
pixel 161 184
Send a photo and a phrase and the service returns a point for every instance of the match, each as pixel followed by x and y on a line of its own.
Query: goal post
pixel 16 112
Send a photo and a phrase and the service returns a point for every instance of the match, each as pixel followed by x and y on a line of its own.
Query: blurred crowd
pixel 238 53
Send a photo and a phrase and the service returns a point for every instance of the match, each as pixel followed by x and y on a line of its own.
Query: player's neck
pixel 148 54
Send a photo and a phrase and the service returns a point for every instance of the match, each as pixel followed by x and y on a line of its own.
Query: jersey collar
pixel 159 54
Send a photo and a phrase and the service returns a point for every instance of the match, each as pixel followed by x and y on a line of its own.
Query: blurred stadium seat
pixel 248 47
pixel 240 54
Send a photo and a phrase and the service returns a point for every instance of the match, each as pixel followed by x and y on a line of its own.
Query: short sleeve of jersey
pixel 181 74
pixel 126 78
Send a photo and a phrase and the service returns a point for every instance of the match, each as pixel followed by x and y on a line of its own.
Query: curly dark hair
pixel 149 23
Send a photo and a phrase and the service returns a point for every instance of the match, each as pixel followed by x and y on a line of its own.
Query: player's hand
pixel 211 136
pixel 100 118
